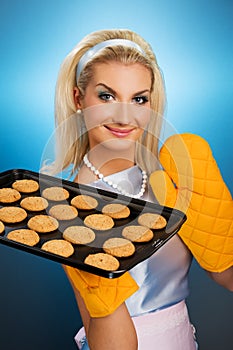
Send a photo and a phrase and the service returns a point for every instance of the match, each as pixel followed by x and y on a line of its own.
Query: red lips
pixel 119 132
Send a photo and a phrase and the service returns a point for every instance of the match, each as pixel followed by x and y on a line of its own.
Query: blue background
pixel 193 41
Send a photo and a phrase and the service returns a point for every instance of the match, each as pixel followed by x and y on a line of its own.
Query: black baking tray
pixel 174 217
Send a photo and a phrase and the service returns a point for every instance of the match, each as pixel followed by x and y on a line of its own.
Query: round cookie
pixel 2 227
pixel 25 236
pixel 43 223
pixel 151 220
pixel 119 247
pixel 12 215
pixel 26 185
pixel 84 202
pixel 102 261
pixel 116 211
pixel 9 195
pixel 99 221
pixel 136 233
pixel 79 235
pixel 58 247
pixel 34 203
pixel 55 193
pixel 63 212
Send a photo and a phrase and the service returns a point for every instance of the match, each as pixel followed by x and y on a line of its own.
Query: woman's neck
pixel 106 166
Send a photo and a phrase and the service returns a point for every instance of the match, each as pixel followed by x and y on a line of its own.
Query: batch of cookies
pixel 14 210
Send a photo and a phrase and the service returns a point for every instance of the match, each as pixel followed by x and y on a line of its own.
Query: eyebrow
pixel 114 92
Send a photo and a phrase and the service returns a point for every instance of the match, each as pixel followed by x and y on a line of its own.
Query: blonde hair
pixel 71 147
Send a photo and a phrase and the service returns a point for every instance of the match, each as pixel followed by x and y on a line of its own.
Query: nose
pixel 122 113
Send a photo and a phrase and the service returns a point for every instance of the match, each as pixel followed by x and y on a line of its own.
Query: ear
pixel 77 98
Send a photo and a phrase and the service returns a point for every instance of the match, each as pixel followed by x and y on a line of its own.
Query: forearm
pixel 105 316
pixel 114 332
pixel 225 278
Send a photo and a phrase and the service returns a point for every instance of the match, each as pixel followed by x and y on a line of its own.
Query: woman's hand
pixel 102 296
pixel 199 191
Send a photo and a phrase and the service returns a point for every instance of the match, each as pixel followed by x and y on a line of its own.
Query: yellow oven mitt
pixel 191 182
pixel 101 295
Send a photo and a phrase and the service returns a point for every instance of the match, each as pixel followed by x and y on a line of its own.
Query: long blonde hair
pixel 72 146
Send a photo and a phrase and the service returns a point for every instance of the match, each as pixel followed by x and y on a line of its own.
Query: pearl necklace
pixel 113 185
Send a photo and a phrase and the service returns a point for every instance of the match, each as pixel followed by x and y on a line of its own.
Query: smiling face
pixel 113 105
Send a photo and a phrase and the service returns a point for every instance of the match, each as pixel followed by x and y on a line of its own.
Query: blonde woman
pixel 109 103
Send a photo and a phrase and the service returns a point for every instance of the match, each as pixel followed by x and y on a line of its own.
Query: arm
pixel 115 331
pixel 224 279
pixel 105 317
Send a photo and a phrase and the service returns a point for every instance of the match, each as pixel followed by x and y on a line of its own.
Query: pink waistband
pixel 166 329
pixel 79 336
pixel 164 318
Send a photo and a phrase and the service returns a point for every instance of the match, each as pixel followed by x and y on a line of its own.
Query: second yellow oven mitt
pixel 191 181
pixel 102 296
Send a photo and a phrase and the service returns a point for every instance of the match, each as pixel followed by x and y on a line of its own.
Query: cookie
pixel 55 193
pixel 116 211
pixel 25 236
pixel 12 215
pixel 99 221
pixel 79 235
pixel 151 220
pixel 119 247
pixel 63 212
pixel 84 202
pixel 9 195
pixel 2 227
pixel 26 185
pixel 43 223
pixel 59 247
pixel 102 261
pixel 136 233
pixel 34 203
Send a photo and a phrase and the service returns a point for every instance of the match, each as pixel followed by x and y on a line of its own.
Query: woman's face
pixel 114 104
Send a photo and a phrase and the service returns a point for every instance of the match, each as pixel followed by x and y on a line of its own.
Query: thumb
pixel 173 186
pixel 163 188
pixel 167 193
pixel 176 160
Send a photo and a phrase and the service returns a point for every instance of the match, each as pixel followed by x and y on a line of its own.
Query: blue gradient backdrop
pixel 193 41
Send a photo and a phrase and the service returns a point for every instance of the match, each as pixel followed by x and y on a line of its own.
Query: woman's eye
pixel 140 100
pixel 105 96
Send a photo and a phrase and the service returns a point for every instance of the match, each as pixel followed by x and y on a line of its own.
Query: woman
pixel 109 106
